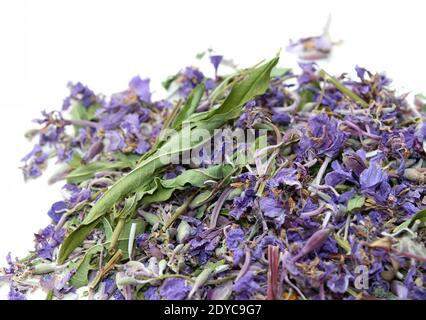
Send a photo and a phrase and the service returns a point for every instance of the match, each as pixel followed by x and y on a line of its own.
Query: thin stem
pixel 108 267
pixel 220 280
pixel 321 171
pixel 360 131
pixel 83 123
pixel 291 108
pixel 116 234
pixel 246 264
pixel 49 295
pixel 167 276
pixel 179 211
pixel 342 88
pixel 218 206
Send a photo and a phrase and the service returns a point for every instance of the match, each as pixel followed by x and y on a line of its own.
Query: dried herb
pixel 332 183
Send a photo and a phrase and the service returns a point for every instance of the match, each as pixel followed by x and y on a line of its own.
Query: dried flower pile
pixel 335 212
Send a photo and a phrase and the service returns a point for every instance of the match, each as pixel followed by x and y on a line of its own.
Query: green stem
pixel 28 257
pixel 261 188
pixel 343 89
pixel 108 267
pixel 168 121
pixel 178 212
pixel 220 280
pixel 49 295
pixel 167 276
pixel 221 88
pixel 171 118
pixel 352 293
pixel 228 82
pixel 116 235
pixel 43 268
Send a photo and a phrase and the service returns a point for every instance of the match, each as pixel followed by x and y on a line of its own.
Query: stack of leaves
pixel 335 212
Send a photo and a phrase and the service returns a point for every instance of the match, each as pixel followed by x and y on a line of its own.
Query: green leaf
pixel 254 83
pixel 420 215
pixel 168 82
pixel 197 177
pixel 160 193
pixel 306 96
pixel 123 239
pixel 356 202
pixel 214 265
pixel 278 72
pixel 347 92
pixel 130 206
pixel 131 159
pixel 343 243
pixel 80 112
pixel 201 198
pixel 382 293
pixel 201 211
pixel 78 236
pixel 151 218
pixel 88 171
pixel 107 228
pixel 75 161
pixel 200 55
pixel 193 177
pixel 84 266
pixel 191 104
pixel 420 96
pixel 209 265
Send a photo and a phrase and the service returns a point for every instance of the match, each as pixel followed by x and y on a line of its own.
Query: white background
pixel 44 44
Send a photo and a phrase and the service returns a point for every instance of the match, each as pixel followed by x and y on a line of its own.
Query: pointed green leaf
pixel 420 215
pixel 356 202
pixel 84 266
pixel 88 171
pixel 191 104
pixel 70 243
pixel 254 83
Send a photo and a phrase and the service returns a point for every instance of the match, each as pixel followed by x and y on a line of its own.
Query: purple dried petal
pixel 174 289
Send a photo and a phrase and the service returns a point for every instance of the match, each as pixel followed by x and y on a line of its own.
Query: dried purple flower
pixel 141 88
pixel 323 136
pixel 246 286
pixel 243 203
pixel 216 60
pixel 15 295
pixel 57 210
pixel 174 289
pixel 313 243
pixel 338 283
pixel 47 240
pixel 152 294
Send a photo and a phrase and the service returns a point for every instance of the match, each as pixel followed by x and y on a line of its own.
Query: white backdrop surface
pixel 44 44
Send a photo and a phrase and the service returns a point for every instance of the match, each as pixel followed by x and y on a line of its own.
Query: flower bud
pixel 234 193
pixel 415 175
pixel 183 231
pixel 314 242
pixel 151 218
pixel 93 151
pixel 222 292
pixel 200 199
pixel 162 265
pixel 200 281
pixel 43 268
